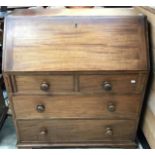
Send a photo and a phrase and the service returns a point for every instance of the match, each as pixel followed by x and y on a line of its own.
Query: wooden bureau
pixel 76 77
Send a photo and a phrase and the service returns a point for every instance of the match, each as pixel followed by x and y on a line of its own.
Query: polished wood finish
pixel 32 84
pixel 76 12
pixel 107 144
pixel 77 106
pixel 119 42
pixel 75 130
pixel 76 77
pixel 118 83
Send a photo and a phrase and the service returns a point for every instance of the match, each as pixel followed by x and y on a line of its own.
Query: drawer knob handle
pixel 44 86
pixel 40 108
pixel 107 86
pixel 108 131
pixel 43 131
pixel 111 107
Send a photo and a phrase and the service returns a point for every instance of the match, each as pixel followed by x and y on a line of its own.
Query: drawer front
pixel 127 83
pixel 44 84
pixel 108 106
pixel 75 130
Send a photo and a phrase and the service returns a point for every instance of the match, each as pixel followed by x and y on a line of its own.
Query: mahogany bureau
pixel 75 77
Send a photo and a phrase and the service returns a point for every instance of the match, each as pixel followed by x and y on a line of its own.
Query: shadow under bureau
pixel 75 77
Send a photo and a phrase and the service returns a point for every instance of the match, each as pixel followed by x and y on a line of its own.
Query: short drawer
pixel 115 83
pixel 108 106
pixel 44 84
pixel 75 130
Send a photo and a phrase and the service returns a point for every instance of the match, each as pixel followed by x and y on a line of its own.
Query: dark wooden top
pixel 80 40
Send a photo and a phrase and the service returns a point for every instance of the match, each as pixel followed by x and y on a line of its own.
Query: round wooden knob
pixel 44 86
pixel 107 86
pixel 111 107
pixel 40 108
pixel 43 131
pixel 108 131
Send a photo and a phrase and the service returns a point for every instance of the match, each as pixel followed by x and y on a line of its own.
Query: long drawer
pixel 108 106
pixel 86 84
pixel 75 130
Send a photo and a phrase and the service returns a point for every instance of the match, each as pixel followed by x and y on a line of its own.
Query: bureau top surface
pixel 75 40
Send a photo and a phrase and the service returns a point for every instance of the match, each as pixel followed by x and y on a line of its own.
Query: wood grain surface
pixel 31 84
pixel 89 84
pixel 121 83
pixel 75 130
pixel 76 12
pixel 76 77
pixel 126 107
pixel 75 43
pixel 107 144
